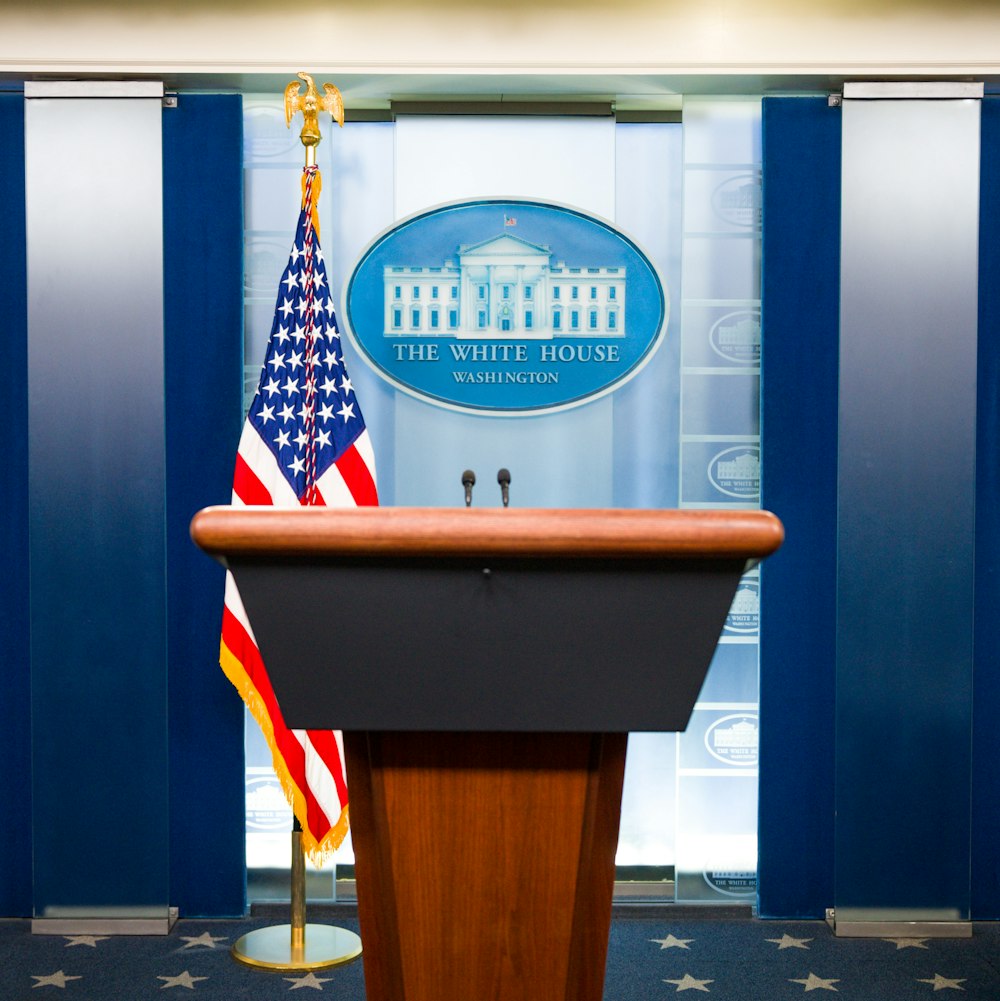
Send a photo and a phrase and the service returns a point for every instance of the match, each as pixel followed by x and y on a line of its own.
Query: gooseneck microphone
pixel 503 478
pixel 468 481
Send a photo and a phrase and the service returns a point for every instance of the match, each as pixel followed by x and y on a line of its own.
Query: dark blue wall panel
pixel 203 287
pixel 986 668
pixel 15 705
pixel 800 323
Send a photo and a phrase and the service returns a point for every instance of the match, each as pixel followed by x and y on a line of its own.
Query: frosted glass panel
pixel 716 787
pixel 571 161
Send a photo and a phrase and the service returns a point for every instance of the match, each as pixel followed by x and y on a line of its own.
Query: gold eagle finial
pixel 310 104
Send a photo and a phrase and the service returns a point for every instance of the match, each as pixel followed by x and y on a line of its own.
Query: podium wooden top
pixel 486 619
pixel 620 533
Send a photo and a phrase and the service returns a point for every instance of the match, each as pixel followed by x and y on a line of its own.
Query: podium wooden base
pixel 485 859
pixel 485 862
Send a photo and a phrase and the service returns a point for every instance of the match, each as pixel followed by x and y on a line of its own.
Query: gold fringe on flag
pixel 318 852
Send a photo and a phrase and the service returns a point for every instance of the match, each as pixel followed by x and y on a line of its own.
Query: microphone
pixel 468 481
pixel 503 478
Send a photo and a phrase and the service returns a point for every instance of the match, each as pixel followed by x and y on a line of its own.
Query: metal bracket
pixel 865 927
pixel 92 88
pixel 87 922
pixel 917 90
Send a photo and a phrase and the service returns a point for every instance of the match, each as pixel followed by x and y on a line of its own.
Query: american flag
pixel 304 443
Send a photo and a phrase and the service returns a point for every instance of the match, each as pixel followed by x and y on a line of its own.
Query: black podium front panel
pixel 487 644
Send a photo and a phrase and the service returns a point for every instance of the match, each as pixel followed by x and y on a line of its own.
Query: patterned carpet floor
pixel 648 960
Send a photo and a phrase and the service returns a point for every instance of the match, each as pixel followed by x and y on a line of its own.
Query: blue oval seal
pixel 503 306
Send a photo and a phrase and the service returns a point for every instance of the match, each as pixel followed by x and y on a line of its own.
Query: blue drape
pixel 800 324
pixel 203 321
pixel 15 699
pixel 986 665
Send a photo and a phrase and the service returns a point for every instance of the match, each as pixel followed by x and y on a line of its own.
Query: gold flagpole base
pixel 297 946
pixel 321 946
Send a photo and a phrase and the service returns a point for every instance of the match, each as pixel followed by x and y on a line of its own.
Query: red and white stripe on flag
pixel 304 443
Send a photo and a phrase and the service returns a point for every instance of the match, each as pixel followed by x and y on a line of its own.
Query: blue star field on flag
pixel 305 393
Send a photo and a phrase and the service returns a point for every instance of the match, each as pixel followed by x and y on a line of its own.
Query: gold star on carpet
pixel 181 980
pixel 943 983
pixel 203 939
pixel 309 980
pixel 787 942
pixel 814 983
pixel 688 983
pixel 57 979
pixel 673 943
pixel 90 940
pixel 907 943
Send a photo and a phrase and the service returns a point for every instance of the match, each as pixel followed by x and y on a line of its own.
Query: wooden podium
pixel 486 666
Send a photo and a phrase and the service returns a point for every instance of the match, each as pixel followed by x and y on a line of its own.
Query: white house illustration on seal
pixel 501 288
pixel 746 602
pixel 739 736
pixel 743 335
pixel 745 468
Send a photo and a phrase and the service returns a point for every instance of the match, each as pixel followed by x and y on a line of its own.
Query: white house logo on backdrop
pixel 732 884
pixel 736 337
pixel 737 201
pixel 266 136
pixel 736 472
pixel 266 806
pixel 744 613
pixel 264 259
pixel 506 307
pixel 733 740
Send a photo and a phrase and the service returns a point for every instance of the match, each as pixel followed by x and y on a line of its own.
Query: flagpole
pixel 297 902
pixel 298 945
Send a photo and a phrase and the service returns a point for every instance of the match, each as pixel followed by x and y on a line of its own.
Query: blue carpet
pixel 754 960
pixel 648 959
